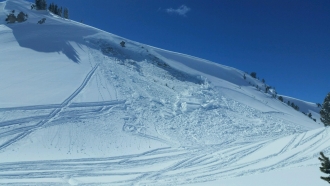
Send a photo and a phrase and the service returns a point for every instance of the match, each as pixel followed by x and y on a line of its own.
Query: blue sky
pixel 287 42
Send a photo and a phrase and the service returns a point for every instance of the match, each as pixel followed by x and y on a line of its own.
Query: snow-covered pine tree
pixel 325 166
pixel 325 111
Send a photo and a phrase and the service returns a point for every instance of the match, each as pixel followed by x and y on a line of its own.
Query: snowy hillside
pixel 78 108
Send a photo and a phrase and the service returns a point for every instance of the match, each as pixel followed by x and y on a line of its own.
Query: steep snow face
pixel 74 100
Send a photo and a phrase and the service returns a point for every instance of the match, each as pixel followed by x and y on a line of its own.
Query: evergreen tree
pixel 55 10
pixel 122 43
pixel 310 115
pixel 11 18
pixel 275 94
pixel 280 98
pixel 325 111
pixel 267 89
pixel 51 8
pixel 66 13
pixel 253 74
pixel 59 12
pixel 325 162
pixel 21 17
pixel 44 5
pixel 41 4
pixel 37 4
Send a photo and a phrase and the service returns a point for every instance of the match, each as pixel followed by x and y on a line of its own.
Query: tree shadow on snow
pixel 50 38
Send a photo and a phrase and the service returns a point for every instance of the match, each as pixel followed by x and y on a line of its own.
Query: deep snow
pixel 77 108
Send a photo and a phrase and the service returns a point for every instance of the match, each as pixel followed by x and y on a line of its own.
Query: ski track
pixel 35 107
pixel 185 164
pixel 94 104
pixel 196 161
pixel 198 164
pixel 22 120
pixel 45 119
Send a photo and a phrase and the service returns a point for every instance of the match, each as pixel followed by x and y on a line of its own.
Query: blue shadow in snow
pixel 50 38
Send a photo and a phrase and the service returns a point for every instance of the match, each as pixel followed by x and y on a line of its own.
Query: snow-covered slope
pixel 77 108
pixel 306 108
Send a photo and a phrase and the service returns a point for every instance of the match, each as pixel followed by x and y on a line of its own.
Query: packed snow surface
pixel 77 108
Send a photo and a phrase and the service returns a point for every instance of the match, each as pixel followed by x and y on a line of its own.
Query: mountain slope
pixel 78 108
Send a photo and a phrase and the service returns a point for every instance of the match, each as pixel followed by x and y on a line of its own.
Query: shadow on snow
pixel 50 38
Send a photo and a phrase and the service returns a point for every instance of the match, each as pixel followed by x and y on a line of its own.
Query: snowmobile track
pixel 45 119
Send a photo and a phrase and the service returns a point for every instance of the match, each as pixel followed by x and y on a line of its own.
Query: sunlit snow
pixel 77 108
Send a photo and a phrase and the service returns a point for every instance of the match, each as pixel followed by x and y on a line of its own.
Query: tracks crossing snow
pixel 22 130
pixel 158 104
pixel 184 165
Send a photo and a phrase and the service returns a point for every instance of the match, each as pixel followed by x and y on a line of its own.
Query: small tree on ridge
pixel 280 98
pixel 253 74
pixel 66 13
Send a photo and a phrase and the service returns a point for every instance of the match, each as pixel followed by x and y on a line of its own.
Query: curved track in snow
pixel 141 116
pixel 171 166
pixel 42 119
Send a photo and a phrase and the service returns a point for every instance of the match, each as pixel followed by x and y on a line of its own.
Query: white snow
pixel 77 108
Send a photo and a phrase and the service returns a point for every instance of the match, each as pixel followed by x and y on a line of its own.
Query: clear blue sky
pixel 287 42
